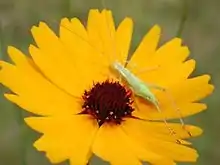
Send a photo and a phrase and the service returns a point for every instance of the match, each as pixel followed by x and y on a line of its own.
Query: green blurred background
pixel 201 34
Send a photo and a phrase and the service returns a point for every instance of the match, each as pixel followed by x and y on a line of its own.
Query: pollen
pixel 108 102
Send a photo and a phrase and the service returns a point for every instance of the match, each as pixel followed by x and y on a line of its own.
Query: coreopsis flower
pixel 84 108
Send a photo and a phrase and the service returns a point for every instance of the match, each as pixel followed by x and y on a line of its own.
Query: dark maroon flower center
pixel 108 101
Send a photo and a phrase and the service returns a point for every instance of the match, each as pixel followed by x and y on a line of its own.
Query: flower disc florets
pixel 108 102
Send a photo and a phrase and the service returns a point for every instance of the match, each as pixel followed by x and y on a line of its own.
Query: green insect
pixel 142 90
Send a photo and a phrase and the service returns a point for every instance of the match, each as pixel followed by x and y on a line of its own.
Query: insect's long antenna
pixel 82 39
pixel 42 73
pixel 103 3
pixel 149 69
pixel 112 36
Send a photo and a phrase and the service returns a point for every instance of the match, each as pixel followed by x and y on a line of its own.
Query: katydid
pixel 142 89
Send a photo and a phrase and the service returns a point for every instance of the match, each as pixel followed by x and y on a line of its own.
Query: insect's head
pixel 116 65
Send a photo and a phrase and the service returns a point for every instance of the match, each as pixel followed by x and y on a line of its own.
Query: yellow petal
pixel 140 132
pixel 44 35
pixel 19 58
pixel 89 61
pixel 53 59
pixel 114 150
pixel 61 65
pixel 147 111
pixel 101 31
pixel 170 53
pixel 159 130
pixel 172 150
pixel 190 90
pixel 146 49
pixel 123 37
pixel 23 62
pixel 40 93
pixel 65 137
pixel 178 129
pixel 74 33
pixel 159 76
pixel 93 29
pixel 121 163
pixel 166 162
pixel 120 149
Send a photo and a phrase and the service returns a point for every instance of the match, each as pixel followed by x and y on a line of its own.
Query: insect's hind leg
pixel 172 132
pixel 174 105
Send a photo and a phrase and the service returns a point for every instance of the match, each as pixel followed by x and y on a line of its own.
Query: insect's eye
pixel 150 98
pixel 147 97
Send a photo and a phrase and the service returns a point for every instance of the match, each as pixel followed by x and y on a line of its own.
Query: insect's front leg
pixel 120 78
pixel 143 70
pixel 126 62
pixel 156 87
pixel 149 69
pixel 134 98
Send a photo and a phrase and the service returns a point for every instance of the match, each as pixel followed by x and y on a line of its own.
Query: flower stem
pixel 24 145
pixel 184 16
pixel 24 137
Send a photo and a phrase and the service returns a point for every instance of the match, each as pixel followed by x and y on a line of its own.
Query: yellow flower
pixel 84 108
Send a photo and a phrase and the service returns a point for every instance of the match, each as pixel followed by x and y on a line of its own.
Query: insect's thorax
pixel 137 85
pixel 127 75
pixel 122 71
